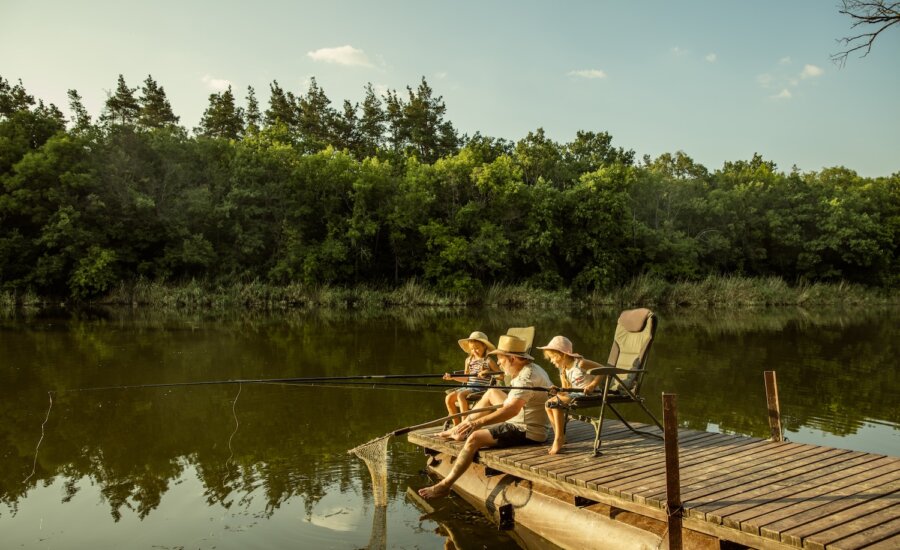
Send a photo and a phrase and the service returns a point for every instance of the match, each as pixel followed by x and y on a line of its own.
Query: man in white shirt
pixel 519 421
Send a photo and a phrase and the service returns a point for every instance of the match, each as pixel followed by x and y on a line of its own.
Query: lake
pixel 266 466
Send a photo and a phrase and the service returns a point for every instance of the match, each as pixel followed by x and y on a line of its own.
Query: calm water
pixel 265 466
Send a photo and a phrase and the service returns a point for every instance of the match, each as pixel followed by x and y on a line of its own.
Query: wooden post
pixel 774 409
pixel 673 475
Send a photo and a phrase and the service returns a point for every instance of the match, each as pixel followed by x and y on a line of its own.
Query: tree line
pixel 385 191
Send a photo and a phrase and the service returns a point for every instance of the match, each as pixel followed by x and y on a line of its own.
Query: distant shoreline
pixel 642 291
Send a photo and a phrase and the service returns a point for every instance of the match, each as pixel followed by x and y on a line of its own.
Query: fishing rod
pixel 262 381
pixel 424 385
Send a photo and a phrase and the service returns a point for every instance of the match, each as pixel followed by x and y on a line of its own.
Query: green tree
pixel 430 135
pixel 282 107
pixel 81 120
pixel 346 130
pixel 591 151
pixel 222 119
pixel 121 106
pixel 371 124
pixel 252 116
pixel 13 98
pixel 316 119
pixel 541 157
pixel 155 110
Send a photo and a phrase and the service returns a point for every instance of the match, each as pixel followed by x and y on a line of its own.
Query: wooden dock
pixel 749 491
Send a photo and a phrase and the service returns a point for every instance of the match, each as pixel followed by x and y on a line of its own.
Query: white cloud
pixel 784 61
pixel 783 94
pixel 217 84
pixel 588 73
pixel 342 55
pixel 811 71
pixel 679 51
pixel 711 57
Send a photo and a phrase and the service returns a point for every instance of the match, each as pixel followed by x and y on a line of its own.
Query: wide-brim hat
pixel 562 345
pixel 511 345
pixel 476 336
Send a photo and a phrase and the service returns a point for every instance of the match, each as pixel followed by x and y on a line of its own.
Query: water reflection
pixel 272 458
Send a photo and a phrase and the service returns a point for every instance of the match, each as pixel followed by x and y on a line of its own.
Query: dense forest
pixel 387 191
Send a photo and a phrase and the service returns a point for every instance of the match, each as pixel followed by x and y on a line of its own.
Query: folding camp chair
pixel 624 373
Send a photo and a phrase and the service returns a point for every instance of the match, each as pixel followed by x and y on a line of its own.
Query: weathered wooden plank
pixel 653 460
pixel 881 537
pixel 870 514
pixel 629 450
pixel 650 465
pixel 760 502
pixel 772 524
pixel 717 507
pixel 842 508
pixel 755 471
pixel 697 476
pixel 613 480
pixel 715 483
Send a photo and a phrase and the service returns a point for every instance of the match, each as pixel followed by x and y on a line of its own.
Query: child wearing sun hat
pixel 573 369
pixel 478 370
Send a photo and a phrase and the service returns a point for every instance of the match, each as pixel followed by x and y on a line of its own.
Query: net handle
pixel 438 421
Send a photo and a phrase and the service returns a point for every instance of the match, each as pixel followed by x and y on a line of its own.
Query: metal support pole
pixel 673 477
pixel 774 408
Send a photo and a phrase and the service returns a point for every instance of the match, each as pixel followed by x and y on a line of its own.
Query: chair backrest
pixel 525 333
pixel 631 346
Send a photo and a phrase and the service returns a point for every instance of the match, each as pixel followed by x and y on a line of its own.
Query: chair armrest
pixel 609 369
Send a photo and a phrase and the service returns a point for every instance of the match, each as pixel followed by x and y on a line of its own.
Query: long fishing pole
pixel 442 386
pixel 261 381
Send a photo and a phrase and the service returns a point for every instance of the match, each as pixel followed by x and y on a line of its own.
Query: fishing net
pixel 374 454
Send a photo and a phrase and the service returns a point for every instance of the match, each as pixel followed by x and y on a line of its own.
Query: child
pixel 477 372
pixel 573 374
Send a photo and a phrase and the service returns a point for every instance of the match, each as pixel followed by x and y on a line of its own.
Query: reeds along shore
pixel 648 291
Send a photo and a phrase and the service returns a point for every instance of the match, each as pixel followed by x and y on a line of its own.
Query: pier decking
pixel 745 490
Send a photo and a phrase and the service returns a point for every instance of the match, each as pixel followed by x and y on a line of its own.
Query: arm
pixel 510 408
pixel 588 365
pixel 461 379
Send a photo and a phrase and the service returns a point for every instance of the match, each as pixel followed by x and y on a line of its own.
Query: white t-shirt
pixel 532 418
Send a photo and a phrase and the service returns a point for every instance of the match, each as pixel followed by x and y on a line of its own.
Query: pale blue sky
pixel 719 80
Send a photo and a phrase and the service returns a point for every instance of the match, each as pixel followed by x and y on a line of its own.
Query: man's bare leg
pixel 477 440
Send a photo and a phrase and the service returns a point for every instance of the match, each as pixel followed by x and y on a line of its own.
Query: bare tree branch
pixel 880 14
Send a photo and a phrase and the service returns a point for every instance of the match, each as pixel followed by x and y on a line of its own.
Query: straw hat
pixel 562 345
pixel 511 345
pixel 476 336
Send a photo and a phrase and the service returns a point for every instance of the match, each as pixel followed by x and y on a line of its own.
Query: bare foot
pixel 435 491
pixel 447 434
pixel 555 448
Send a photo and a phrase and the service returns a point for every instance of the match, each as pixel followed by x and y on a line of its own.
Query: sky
pixel 718 80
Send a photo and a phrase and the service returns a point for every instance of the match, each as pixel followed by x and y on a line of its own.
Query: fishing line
pixel 236 425
pixel 34 466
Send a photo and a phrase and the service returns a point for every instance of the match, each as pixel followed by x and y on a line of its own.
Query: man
pixel 520 420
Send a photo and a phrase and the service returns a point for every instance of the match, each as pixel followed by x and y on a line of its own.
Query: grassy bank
pixel 715 292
